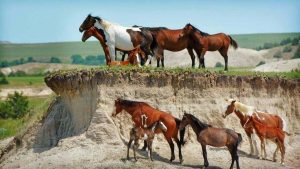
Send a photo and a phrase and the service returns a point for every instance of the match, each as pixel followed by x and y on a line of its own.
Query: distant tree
pixel 3 80
pixel 219 64
pixel 91 60
pixel 297 53
pixel 278 54
pixel 18 73
pixel 30 59
pixel 22 61
pixel 15 106
pixel 77 59
pixel 287 49
pixel 55 60
pixel 4 64
pixel 268 45
pixel 295 41
pixel 285 41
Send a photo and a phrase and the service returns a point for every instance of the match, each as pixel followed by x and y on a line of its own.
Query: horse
pixel 217 137
pixel 138 133
pixel 206 42
pixel 98 34
pixel 243 112
pixel 168 39
pixel 117 36
pixel 272 133
pixel 143 115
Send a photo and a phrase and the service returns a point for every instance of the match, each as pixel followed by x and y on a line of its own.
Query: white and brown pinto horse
pixel 117 36
pixel 244 112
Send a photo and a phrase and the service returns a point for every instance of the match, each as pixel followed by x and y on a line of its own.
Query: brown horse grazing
pixel 206 42
pixel 131 58
pixel 99 34
pixel 244 112
pixel 217 137
pixel 143 115
pixel 120 37
pixel 272 133
pixel 138 133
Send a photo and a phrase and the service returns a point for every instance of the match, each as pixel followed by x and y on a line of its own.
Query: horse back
pixel 270 120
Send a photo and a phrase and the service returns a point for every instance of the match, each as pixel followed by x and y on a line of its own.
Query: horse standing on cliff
pixel 244 112
pixel 117 36
pixel 205 42
pixel 143 115
pixel 217 137
pixel 99 34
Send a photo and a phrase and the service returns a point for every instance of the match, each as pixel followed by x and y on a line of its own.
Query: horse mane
pixel 201 124
pixel 130 102
pixel 202 33
pixel 244 108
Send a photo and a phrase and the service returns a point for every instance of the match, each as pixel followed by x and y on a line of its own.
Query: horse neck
pixel 196 127
pixel 244 108
pixel 241 116
pixel 130 109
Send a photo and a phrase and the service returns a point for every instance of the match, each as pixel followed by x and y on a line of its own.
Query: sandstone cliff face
pixel 87 97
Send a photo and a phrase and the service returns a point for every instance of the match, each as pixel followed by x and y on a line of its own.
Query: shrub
pixel 295 41
pixel 261 63
pixel 297 53
pixel 15 106
pixel 219 64
pixel 287 49
pixel 3 80
pixel 55 60
pixel 18 73
pixel 278 54
pixel 77 59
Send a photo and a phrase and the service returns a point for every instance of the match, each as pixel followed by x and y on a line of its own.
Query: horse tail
pixel 283 126
pixel 233 42
pixel 240 139
pixel 181 132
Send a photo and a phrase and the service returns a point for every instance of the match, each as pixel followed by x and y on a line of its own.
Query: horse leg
pixel 262 142
pixel 159 56
pixel 201 58
pixel 128 147
pixel 162 60
pixel 123 56
pixel 116 55
pixel 135 146
pixel 112 51
pixel 171 144
pixel 251 143
pixel 150 149
pixel 190 50
pixel 145 146
pixel 179 149
pixel 282 150
pixel 223 51
pixel 275 152
pixel 204 153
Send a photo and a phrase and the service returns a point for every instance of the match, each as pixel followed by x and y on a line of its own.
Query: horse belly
pixel 123 41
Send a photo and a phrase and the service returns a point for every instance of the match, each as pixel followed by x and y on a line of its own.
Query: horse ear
pixel 233 101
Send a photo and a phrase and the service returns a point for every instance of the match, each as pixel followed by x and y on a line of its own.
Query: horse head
pixel 88 23
pixel 88 33
pixel 184 121
pixel 188 29
pixel 118 107
pixel 230 108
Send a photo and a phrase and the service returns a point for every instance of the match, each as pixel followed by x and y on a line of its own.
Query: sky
pixel 33 21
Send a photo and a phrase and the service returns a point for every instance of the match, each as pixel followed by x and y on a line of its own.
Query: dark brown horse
pixel 205 42
pixel 217 137
pixel 272 133
pixel 143 115
pixel 98 34
pixel 242 111
pixel 120 37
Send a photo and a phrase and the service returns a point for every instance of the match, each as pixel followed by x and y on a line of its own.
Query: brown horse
pixel 98 34
pixel 143 115
pixel 206 42
pixel 244 112
pixel 272 133
pixel 217 137
pixel 168 39
pixel 117 36
pixel 138 133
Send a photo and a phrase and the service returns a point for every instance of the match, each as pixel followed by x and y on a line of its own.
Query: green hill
pixel 63 50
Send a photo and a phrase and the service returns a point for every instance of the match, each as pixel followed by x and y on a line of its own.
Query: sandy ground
pixel 39 91
pixel 279 66
pixel 79 152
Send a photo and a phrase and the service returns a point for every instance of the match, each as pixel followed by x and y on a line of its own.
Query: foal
pixel 217 137
pixel 137 133
pixel 274 134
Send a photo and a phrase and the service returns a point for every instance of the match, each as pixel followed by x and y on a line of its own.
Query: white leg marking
pixel 148 60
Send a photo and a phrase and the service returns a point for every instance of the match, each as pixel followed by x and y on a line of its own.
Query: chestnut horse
pixel 117 36
pixel 217 137
pixel 143 115
pixel 243 112
pixel 206 42
pixel 99 34
pixel 272 133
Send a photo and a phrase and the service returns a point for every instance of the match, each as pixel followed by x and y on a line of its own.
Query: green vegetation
pixel 297 53
pixel 278 54
pixel 55 60
pixel 37 106
pixel 219 64
pixel 287 49
pixel 21 81
pixel 15 106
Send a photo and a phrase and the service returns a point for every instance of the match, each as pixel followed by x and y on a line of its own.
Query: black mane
pixel 202 33
pixel 201 124
pixel 129 102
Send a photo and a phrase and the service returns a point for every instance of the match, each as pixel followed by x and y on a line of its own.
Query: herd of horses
pixel 149 121
pixel 143 43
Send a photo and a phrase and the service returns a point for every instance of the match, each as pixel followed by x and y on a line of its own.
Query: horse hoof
pixel 181 161
pixel 274 160
pixel 143 149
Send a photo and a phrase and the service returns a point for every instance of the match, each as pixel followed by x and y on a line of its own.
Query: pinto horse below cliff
pixel 205 42
pixel 143 115
pixel 244 112
pixel 134 56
